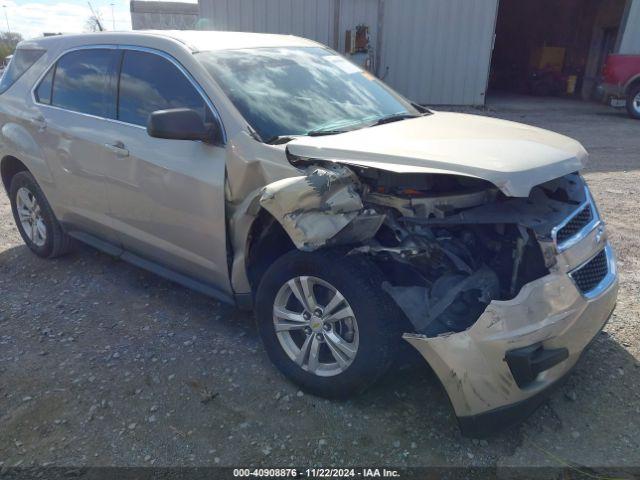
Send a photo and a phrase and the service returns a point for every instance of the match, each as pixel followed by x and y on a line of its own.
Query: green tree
pixel 8 42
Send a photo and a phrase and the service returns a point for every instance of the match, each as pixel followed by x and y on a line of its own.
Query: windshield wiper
pixel 279 139
pixel 422 109
pixel 319 133
pixel 394 117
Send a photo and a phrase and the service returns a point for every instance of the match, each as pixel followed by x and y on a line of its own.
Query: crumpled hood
pixel 512 156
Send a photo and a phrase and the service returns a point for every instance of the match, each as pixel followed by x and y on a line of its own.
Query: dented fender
pixel 321 207
pixel 316 206
pixel 250 166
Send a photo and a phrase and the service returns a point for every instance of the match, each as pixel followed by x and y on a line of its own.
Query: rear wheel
pixel 633 102
pixel 34 218
pixel 326 323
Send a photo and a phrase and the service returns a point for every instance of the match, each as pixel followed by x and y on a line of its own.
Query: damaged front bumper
pixel 557 316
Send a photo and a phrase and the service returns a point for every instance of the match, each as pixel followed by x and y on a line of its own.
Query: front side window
pixel 22 60
pixel 298 90
pixel 149 82
pixel 82 82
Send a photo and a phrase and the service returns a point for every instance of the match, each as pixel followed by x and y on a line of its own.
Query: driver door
pixel 166 196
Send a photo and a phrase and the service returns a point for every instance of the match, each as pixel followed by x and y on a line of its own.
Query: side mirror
pixel 180 124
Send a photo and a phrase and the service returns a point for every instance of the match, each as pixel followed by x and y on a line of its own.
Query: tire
pixel 377 321
pixel 633 102
pixel 54 242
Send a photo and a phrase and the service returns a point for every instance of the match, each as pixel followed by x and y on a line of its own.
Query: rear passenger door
pixel 76 98
pixel 166 196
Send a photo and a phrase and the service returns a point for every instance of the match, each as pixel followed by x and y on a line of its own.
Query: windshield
pixel 295 91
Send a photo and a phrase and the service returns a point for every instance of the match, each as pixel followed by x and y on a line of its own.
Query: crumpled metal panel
pixel 513 157
pixel 314 208
pixel 549 310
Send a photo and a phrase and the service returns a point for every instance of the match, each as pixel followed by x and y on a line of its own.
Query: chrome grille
pixel 573 226
pixel 589 275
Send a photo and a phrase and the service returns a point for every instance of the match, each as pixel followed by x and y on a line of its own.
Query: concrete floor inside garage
pixel 104 364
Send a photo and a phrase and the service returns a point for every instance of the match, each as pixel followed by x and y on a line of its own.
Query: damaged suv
pixel 270 172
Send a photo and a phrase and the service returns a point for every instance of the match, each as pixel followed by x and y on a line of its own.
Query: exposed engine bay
pixel 447 244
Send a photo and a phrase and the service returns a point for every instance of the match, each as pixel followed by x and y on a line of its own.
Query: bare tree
pixel 94 23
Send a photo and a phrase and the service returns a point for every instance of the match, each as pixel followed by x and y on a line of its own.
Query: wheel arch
pixel 9 166
pixel 633 82
pixel 266 242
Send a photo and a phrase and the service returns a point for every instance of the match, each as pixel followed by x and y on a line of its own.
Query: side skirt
pixel 153 267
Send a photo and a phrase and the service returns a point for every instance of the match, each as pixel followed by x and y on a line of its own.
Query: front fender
pixel 631 82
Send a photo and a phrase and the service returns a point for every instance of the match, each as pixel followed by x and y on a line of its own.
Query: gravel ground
pixel 104 364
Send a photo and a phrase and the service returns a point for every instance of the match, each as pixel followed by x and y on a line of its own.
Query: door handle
pixel 117 148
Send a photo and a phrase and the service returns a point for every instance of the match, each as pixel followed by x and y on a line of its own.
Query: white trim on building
pixel 630 43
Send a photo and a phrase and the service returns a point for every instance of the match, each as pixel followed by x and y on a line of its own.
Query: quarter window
pixel 150 82
pixel 82 82
pixel 20 63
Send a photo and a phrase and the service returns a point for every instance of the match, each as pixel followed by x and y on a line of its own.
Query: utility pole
pixel 113 18
pixel 95 15
pixel 6 17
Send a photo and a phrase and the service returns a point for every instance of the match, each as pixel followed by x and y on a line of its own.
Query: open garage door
pixel 554 47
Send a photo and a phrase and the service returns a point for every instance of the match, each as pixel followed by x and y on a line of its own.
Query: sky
pixel 32 18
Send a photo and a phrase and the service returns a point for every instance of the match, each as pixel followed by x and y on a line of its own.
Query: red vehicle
pixel 621 82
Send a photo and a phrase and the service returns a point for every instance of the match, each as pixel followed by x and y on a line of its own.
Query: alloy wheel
pixel 30 215
pixel 315 326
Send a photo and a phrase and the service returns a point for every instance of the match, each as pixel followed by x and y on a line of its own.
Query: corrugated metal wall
pixel 163 15
pixel 438 51
pixel 433 51
pixel 312 19
pixel 630 44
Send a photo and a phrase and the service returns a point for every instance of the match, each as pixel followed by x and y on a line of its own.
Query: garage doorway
pixel 553 47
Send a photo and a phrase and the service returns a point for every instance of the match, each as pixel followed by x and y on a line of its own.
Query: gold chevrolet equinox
pixel 270 172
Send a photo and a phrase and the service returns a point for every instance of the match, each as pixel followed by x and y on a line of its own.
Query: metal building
pixel 441 52
pixel 630 38
pixel 154 15
pixel 432 51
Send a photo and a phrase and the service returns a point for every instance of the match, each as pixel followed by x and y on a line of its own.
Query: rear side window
pixel 150 82
pixel 82 82
pixel 22 60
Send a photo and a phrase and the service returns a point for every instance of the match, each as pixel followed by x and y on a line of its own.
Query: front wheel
pixel 326 323
pixel 633 102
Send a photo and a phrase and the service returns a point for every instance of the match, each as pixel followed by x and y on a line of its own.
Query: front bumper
pixel 550 311
pixel 612 94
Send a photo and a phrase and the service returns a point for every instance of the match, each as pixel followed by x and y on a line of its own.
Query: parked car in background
pixel 621 83
pixel 270 172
